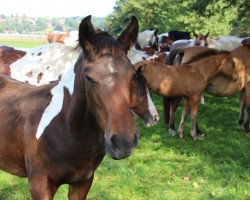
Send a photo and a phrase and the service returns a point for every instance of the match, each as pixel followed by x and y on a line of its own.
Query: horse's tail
pixel 175 57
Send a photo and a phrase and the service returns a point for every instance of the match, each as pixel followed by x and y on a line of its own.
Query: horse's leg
pixel 79 191
pixel 41 188
pixel 173 107
pixel 247 120
pixel 185 111
pixel 242 107
pixel 193 106
pixel 166 109
pixel 202 98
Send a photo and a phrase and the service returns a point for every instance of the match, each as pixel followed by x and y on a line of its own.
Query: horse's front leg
pixel 193 106
pixel 242 107
pixel 247 120
pixel 41 188
pixel 184 114
pixel 79 191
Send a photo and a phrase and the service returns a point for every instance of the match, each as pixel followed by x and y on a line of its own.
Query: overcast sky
pixel 57 8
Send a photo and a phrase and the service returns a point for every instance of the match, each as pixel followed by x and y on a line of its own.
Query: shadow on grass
pixel 224 141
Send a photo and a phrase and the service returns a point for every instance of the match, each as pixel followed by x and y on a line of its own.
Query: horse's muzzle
pixel 120 147
pixel 150 119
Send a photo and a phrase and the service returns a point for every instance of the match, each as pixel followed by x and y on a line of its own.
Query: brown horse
pixel 58 133
pixel 8 55
pixel 218 85
pixel 57 37
pixel 188 80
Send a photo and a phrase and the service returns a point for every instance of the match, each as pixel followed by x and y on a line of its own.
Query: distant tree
pixel 41 23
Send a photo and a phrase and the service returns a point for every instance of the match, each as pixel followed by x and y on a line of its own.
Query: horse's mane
pixel 172 55
pixel 104 43
pixel 210 52
pixel 141 84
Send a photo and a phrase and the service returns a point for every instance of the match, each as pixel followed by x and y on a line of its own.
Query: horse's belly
pixel 220 86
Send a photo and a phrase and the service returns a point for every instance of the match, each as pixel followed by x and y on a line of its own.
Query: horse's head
pixel 229 67
pixel 154 41
pixel 109 79
pixel 200 40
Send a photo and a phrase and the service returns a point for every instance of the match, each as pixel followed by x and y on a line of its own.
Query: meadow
pixel 163 167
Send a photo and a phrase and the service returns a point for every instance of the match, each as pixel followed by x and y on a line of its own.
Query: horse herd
pixel 63 107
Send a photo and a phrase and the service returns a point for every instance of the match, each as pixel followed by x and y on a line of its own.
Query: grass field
pixel 168 168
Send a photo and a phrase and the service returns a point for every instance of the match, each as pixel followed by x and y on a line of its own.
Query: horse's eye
pixel 89 79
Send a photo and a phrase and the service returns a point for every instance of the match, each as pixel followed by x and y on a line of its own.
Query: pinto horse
pixel 58 133
pixel 8 55
pixel 188 80
pixel 147 38
pixel 217 86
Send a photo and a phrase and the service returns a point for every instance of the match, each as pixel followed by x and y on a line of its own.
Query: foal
pixel 188 80
pixel 58 133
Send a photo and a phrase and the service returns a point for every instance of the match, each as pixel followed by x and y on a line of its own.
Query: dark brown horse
pixel 8 55
pixel 58 133
pixel 218 85
pixel 188 80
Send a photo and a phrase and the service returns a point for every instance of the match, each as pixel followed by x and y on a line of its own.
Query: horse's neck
pixel 208 67
pixel 82 123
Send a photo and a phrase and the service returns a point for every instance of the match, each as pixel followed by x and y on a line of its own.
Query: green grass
pixel 19 41
pixel 168 168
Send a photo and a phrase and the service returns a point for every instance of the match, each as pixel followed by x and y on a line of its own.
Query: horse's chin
pixel 150 120
pixel 119 147
pixel 115 153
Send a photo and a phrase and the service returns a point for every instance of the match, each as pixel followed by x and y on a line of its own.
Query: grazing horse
pixel 198 40
pixel 218 85
pixel 57 37
pixel 179 35
pixel 58 133
pixel 246 41
pixel 188 80
pixel 147 38
pixel 8 55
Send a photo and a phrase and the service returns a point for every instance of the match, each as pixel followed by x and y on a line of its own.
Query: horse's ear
pixel 156 31
pixel 86 34
pixel 140 69
pixel 195 34
pixel 207 34
pixel 129 35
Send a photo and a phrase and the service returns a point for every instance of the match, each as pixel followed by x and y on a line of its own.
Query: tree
pixel 165 15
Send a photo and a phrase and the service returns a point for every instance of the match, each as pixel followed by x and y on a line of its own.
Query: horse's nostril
pixel 156 118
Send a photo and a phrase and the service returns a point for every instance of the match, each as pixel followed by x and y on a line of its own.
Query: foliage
pixel 165 15
pixel 23 24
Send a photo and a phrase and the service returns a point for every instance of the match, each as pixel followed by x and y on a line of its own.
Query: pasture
pixel 165 167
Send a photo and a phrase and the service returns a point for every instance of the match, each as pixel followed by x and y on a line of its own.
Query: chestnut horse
pixel 188 80
pixel 8 55
pixel 57 37
pixel 58 133
pixel 218 85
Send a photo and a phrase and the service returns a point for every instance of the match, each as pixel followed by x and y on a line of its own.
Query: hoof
pixel 171 132
pixel 198 137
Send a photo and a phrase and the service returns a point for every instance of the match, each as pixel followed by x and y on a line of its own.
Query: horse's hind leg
pixel 193 106
pixel 184 114
pixel 80 190
pixel 173 107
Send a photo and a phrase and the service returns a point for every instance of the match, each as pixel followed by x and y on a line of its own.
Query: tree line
pixel 219 17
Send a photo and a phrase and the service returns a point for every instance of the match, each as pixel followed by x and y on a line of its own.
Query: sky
pixel 57 8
